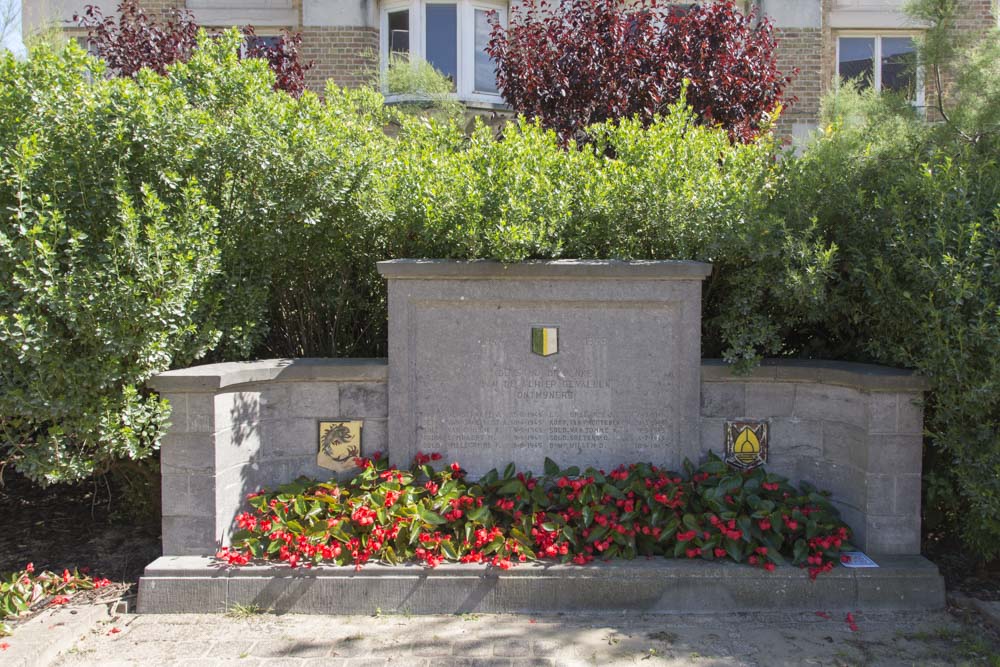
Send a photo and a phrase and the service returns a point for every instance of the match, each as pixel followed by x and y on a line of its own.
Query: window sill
pixel 474 102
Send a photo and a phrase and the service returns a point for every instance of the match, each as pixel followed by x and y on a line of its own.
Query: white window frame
pixel 465 39
pixel 878 36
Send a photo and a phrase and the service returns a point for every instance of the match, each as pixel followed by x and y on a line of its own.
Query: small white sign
pixel 858 559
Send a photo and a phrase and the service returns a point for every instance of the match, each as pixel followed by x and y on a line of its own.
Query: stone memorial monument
pixel 585 362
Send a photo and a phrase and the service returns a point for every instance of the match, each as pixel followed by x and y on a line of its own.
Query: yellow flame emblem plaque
pixel 339 445
pixel 746 444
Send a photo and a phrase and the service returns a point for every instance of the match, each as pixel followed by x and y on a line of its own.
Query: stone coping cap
pixel 869 377
pixel 212 377
pixel 580 269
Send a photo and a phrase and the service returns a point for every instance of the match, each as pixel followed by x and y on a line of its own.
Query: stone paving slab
pixel 724 640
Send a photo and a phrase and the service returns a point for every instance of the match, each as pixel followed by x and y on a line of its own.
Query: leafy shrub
pixel 589 61
pixel 396 516
pixel 912 219
pixel 105 259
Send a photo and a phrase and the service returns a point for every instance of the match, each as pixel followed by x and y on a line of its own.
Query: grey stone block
pixel 845 444
pixel 911 414
pixel 881 494
pixel 189 535
pixel 769 399
pixel 907 497
pixel 845 482
pixel 212 377
pixel 865 377
pixel 375 438
pixel 656 586
pixel 723 399
pixel 178 411
pixel 200 413
pixel 182 595
pixel 895 454
pixel 234 408
pixel 237 446
pixel 188 451
pixel 315 400
pixel 188 495
pixel 367 400
pixel 898 534
pixel 830 403
pixel 793 439
pixel 713 435
pixel 882 412
pixel 290 438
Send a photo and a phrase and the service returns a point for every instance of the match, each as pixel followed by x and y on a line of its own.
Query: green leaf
pixel 513 488
pixel 428 516
pixel 551 467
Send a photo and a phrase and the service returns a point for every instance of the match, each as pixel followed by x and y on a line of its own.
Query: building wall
pixel 342 37
pixel 348 55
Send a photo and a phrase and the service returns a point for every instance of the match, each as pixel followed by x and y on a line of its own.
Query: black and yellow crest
pixel 746 444
pixel 339 445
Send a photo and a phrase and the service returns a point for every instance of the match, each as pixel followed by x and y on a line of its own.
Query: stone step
pixel 187 584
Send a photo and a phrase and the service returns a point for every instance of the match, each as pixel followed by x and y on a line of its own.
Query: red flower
pixel 769 567
pixel 59 599
pixel 719 552
pixel 29 568
pixel 66 576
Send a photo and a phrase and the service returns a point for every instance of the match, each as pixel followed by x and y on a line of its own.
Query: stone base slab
pixel 193 584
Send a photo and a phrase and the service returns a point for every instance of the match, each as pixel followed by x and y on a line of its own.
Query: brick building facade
pixel 347 38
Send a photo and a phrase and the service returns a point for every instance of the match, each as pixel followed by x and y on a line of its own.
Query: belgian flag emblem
pixel 545 340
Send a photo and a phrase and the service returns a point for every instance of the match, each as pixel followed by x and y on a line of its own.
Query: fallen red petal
pixel 60 599
pixel 4 646
pixel 114 631
pixel 823 614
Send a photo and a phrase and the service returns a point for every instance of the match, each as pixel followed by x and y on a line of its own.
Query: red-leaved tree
pixel 135 40
pixel 587 61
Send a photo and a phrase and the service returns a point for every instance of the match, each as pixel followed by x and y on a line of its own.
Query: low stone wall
pixel 853 429
pixel 239 426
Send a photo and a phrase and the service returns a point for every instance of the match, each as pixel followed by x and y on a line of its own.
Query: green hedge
pixel 202 215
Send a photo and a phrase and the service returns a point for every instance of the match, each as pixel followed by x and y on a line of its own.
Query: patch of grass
pixel 243 611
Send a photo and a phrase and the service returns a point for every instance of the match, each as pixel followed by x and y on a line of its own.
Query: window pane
pixel 442 39
pixel 899 66
pixel 399 32
pixel 857 59
pixel 486 79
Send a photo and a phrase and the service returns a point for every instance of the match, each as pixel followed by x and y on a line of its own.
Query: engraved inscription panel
pixel 606 398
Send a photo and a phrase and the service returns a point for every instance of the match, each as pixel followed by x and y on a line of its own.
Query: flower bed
pixel 431 516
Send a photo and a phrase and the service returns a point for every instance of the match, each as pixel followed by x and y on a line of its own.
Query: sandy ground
pixel 249 637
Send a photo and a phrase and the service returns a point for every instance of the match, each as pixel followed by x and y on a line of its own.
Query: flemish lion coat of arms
pixel 339 445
